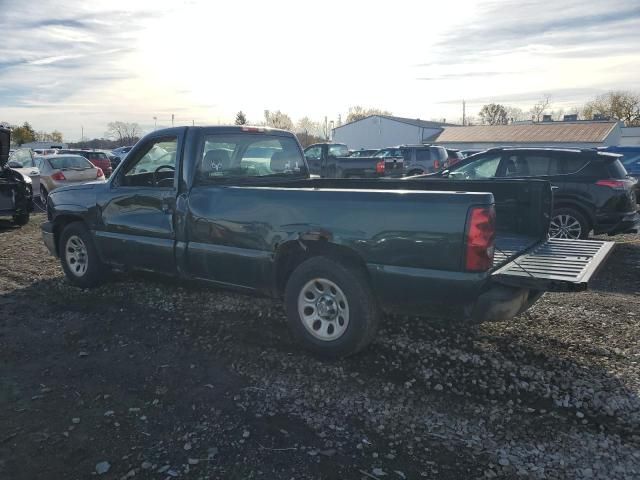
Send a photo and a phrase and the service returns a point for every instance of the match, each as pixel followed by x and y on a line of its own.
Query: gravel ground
pixel 150 378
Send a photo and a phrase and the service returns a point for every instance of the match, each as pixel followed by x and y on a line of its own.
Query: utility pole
pixel 155 123
pixel 172 118
pixel 464 113
pixel 81 133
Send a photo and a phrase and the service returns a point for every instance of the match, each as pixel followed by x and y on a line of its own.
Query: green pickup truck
pixel 235 206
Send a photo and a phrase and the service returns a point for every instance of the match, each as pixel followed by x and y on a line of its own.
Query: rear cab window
pixel 338 150
pixel 249 156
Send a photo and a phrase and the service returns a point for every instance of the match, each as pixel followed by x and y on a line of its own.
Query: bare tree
pixel 493 114
pixel 358 113
pixel 538 110
pixel 278 119
pixel 515 114
pixel 124 133
pixel 619 105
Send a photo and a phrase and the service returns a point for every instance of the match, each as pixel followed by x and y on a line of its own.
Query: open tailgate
pixel 557 265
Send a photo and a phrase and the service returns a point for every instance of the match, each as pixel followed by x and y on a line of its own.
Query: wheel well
pixel 59 223
pixel 293 253
pixel 578 208
pixel 416 171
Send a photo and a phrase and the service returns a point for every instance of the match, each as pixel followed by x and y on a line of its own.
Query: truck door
pixel 313 155
pixel 136 212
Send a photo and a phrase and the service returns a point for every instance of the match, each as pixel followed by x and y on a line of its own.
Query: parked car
pixel 65 169
pixel 96 157
pixel 339 252
pixel 409 160
pixel 16 191
pixel 363 152
pixel 631 161
pixel 454 156
pixel 117 155
pixel 592 191
pixel 22 160
pixel 333 160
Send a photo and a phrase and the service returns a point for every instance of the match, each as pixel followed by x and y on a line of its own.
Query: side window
pixel 423 155
pixel 484 167
pixel 23 157
pixel 573 164
pixel 154 166
pixel 526 165
pixel 313 153
pixel 555 166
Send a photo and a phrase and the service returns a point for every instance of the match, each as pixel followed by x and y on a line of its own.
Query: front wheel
pixel 21 219
pixel 79 257
pixel 568 223
pixel 331 308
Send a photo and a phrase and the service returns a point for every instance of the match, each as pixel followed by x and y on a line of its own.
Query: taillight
pixel 615 184
pixel 481 235
pixel 380 166
pixel 99 173
pixel 58 176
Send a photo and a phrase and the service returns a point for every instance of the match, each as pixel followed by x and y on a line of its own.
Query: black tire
pixel 95 271
pixel 570 214
pixel 21 219
pixel 43 195
pixel 364 315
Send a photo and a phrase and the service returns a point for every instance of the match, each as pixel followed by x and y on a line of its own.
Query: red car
pixel 98 158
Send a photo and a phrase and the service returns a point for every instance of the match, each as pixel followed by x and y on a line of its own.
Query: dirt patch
pixel 163 379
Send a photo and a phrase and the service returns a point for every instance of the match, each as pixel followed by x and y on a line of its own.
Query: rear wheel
pixel 79 257
pixel 568 223
pixel 331 308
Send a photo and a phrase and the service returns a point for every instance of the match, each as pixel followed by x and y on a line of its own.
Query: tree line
pixel 618 105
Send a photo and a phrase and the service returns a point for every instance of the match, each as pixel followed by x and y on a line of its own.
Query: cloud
pixel 465 75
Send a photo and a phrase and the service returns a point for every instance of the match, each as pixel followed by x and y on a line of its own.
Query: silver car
pixel 65 169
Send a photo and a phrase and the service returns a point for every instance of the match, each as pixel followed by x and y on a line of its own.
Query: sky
pixel 76 66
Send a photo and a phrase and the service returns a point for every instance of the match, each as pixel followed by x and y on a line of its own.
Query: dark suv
pixel 592 190
pixel 409 160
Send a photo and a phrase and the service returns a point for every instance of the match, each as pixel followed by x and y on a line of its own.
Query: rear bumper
pixel 49 238
pixel 627 223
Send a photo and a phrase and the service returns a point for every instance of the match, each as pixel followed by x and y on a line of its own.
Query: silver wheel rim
pixel 323 309
pixel 565 226
pixel 76 256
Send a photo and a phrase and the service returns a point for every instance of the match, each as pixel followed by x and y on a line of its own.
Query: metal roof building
pixel 379 131
pixel 579 134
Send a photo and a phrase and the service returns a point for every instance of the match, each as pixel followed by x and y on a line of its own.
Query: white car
pixel 22 161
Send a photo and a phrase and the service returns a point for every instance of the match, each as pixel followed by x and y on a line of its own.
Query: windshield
pixel 62 162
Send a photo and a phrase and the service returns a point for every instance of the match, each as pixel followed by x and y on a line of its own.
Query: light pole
pixel 155 123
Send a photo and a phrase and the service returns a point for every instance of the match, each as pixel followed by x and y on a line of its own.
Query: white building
pixel 44 145
pixel 630 136
pixel 380 131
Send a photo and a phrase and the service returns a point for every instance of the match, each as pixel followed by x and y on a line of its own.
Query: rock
pixel 102 467
pixel 75 420
pixel 378 472
pixel 212 452
pixel 246 434
pixel 163 469
pixel 400 474
pixel 109 413
pixel 579 414
pixel 187 446
pixel 438 387
pixel 146 465
pixel 83 354
pixel 503 461
pixel 172 473
pixel 330 452
pixel 193 461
